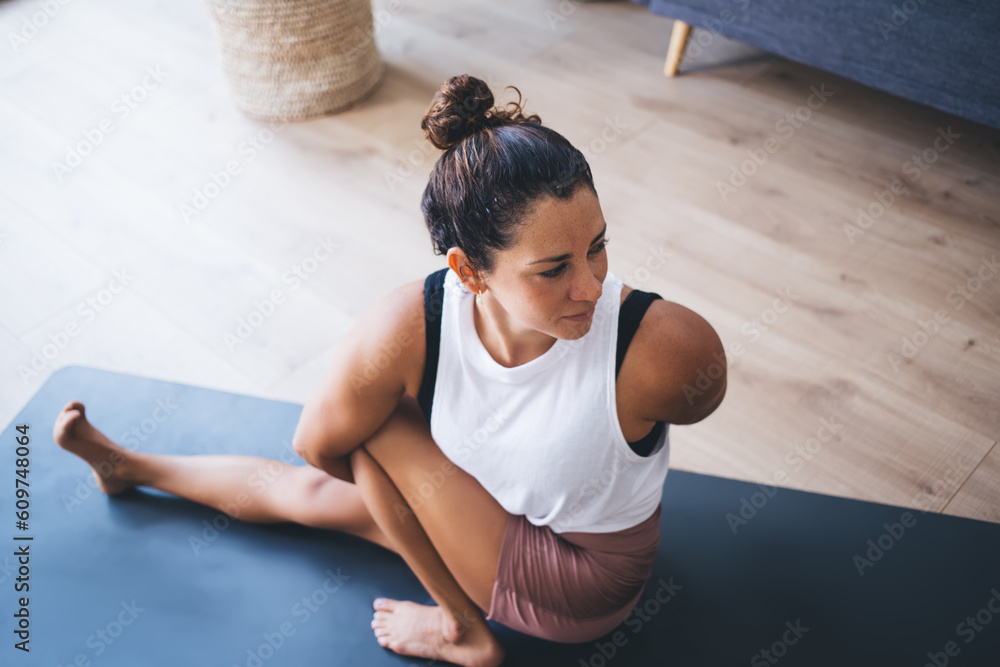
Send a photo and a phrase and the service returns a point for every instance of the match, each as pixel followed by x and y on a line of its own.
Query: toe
pixel 74 405
pixel 384 603
pixel 64 424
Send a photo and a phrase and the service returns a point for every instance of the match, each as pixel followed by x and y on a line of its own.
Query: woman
pixel 504 445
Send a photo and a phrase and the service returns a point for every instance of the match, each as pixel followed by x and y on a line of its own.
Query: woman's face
pixel 556 269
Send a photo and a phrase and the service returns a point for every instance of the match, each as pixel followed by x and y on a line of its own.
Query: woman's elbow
pixel 304 451
pixel 319 448
pixel 707 402
pixel 306 445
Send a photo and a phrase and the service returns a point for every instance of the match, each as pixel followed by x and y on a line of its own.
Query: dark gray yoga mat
pixel 151 579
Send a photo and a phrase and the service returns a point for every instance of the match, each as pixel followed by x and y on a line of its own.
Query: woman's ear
pixel 467 273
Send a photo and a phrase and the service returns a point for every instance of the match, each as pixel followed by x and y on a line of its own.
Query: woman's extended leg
pixel 450 537
pixel 244 487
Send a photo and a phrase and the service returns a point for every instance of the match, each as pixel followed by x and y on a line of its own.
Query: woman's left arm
pixel 685 369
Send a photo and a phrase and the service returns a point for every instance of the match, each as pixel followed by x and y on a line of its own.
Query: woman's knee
pixel 404 449
pixel 406 421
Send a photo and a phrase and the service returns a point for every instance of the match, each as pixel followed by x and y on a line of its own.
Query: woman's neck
pixel 507 346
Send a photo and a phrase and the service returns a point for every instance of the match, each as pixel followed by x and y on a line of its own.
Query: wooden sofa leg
pixel 675 51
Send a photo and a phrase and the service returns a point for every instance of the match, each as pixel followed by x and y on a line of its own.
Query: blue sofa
pixel 943 53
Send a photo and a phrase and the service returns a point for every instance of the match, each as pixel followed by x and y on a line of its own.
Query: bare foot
pixel 431 632
pixel 75 434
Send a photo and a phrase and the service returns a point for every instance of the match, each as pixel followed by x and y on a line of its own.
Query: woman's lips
pixel 583 316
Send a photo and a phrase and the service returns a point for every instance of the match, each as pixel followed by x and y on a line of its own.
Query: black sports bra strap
pixel 629 317
pixel 433 307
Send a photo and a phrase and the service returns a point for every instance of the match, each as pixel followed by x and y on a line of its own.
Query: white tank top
pixel 543 438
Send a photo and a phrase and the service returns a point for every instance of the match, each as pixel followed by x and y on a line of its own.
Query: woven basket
pixel 296 59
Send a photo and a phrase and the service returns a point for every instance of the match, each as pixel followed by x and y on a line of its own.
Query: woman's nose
pixel 588 287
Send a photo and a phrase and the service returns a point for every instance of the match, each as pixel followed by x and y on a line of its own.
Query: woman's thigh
pixel 462 520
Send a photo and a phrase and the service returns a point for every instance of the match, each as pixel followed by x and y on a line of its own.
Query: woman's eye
pixel 552 273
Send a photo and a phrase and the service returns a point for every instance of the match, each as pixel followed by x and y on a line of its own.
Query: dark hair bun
pixel 463 106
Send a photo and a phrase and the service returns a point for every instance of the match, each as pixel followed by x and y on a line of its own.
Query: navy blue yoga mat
pixel 745 574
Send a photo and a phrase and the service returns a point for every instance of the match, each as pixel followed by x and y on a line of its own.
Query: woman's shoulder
pixel 679 363
pixel 397 321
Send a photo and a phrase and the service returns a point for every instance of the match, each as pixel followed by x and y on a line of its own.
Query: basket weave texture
pixel 295 59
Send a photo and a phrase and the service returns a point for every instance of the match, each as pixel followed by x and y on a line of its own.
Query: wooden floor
pixel 844 391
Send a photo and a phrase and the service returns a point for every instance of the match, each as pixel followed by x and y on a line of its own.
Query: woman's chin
pixel 575 330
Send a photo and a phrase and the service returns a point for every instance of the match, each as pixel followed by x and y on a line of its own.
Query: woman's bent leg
pixel 244 487
pixel 454 631
pixel 449 534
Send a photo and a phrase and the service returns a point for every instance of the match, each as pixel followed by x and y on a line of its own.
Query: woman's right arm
pixel 356 395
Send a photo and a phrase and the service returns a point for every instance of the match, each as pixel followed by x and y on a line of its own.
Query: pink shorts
pixel 571 587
